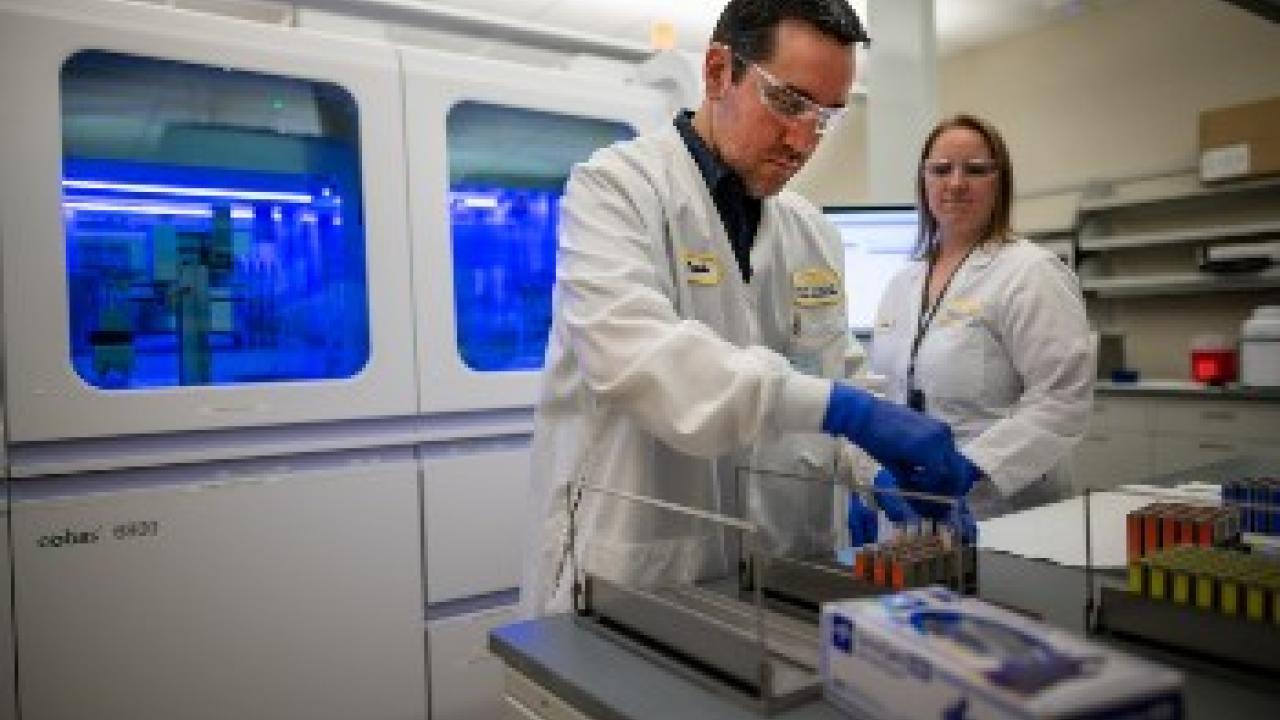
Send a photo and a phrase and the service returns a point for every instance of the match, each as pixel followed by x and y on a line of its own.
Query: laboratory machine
pixel 204 232
pixel 200 245
pixel 490 147
pixel 509 137
pixel 275 300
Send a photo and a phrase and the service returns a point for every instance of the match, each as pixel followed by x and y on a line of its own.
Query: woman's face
pixel 961 179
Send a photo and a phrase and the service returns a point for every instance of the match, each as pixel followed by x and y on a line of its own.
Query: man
pixel 697 310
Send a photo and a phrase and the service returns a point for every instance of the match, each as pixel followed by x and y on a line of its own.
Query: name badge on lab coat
pixel 703 268
pixel 816 287
pixel 960 310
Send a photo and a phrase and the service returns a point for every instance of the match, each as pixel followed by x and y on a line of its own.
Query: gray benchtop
pixel 605 681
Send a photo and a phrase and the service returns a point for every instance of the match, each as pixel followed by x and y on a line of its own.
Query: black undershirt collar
pixel 739 212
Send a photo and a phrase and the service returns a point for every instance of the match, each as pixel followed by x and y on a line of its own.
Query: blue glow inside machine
pixel 507 171
pixel 214 231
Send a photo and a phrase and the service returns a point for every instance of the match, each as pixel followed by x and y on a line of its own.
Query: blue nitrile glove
pixel 863 526
pixel 902 440
pixel 895 506
pixel 958 479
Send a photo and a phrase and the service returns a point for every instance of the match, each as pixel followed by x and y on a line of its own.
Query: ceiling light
pixel 662 35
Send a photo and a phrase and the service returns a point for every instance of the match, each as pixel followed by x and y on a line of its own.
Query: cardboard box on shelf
pixel 1241 141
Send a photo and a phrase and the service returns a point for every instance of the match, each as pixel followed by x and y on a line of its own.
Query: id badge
pixel 915 399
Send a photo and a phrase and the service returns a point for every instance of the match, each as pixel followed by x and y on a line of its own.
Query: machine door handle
pixel 1217 446
pixel 1218 415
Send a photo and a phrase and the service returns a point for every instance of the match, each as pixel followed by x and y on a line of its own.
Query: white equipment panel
pixel 466 679
pixel 47 399
pixel 8 699
pixel 434 84
pixel 475 498
pixel 283 589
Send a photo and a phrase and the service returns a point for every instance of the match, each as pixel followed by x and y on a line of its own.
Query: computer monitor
pixel 878 240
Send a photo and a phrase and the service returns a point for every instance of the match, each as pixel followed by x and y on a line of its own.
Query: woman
pixel 987 331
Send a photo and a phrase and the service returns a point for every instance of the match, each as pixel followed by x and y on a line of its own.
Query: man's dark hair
pixel 747 26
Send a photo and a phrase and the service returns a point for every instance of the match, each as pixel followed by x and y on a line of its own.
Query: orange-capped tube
pixel 897 574
pixel 862 564
pixel 1133 527
pixel 1150 532
pixel 1169 528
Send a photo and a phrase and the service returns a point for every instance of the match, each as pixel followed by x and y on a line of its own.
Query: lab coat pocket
pixel 956 368
pixel 814 332
pixel 891 337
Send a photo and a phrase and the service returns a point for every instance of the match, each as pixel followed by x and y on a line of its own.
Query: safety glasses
pixel 790 105
pixel 971 169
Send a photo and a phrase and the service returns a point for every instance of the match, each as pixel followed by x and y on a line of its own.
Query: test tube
pixel 1138 577
pixel 1169 526
pixel 1206 584
pixel 1133 535
pixel 862 562
pixel 1151 528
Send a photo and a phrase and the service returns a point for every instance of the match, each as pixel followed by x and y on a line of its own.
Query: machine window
pixel 214 225
pixel 507 171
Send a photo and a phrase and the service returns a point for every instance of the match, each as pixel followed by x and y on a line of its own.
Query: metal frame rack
pixel 753 640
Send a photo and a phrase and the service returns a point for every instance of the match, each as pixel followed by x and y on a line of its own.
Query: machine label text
pixel 131 530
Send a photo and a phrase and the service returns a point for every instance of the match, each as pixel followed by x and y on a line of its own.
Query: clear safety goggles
pixel 790 105
pixel 971 169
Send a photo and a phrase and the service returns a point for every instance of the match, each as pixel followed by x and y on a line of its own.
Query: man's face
pixel 763 146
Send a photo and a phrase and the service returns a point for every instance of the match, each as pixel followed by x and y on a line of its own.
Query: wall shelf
pixel 1203 191
pixel 1179 284
pixel 1138 253
pixel 1240 231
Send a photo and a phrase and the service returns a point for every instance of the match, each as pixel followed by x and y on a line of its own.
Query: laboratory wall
pixel 837 172
pixel 1113 92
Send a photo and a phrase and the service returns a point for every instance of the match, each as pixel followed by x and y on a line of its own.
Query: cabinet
pixel 466 679
pixel 527 700
pixel 474 499
pixel 1190 433
pixel 1133 438
pixel 229 590
pixel 1117 448
pixel 1108 458
pixel 8 696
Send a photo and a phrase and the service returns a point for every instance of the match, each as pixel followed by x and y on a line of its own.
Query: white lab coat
pixel 665 371
pixel 1006 362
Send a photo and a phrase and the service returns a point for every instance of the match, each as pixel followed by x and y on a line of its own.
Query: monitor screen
pixel 877 242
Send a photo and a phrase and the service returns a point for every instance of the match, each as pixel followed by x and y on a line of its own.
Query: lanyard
pixel 924 319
